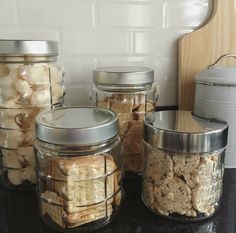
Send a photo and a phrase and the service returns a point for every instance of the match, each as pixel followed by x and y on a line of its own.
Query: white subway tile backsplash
pixel 130 14
pixel 96 33
pixel 51 13
pixel 78 79
pixel 187 13
pixel 29 34
pixel 124 61
pixel 95 42
pixel 161 42
pixel 77 94
pixel 79 69
pixel 7 13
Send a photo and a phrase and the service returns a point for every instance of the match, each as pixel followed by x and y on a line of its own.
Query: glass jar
pixel 184 165
pixel 79 168
pixel 31 81
pixel 129 92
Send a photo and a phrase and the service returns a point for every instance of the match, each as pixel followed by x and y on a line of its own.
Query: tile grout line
pixel 95 21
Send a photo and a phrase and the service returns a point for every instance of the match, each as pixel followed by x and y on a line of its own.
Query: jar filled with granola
pixel 128 91
pixel 31 81
pixel 79 168
pixel 184 164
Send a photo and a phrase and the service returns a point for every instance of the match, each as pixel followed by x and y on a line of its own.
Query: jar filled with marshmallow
pixel 128 91
pixel 79 168
pixel 31 81
pixel 184 165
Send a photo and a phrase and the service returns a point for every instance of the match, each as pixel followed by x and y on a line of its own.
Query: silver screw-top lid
pixel 181 131
pixel 76 125
pixel 123 75
pixel 28 47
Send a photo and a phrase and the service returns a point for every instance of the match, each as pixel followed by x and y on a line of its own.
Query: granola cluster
pixel 189 185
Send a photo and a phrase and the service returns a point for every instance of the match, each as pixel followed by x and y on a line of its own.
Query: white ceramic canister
pixel 215 96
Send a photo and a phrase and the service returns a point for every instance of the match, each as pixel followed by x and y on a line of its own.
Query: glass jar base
pixel 132 175
pixel 182 218
pixel 86 228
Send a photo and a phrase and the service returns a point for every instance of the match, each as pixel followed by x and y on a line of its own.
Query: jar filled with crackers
pixel 184 164
pixel 79 168
pixel 128 91
pixel 31 81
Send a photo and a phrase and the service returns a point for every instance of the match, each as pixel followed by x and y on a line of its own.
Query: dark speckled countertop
pixel 19 213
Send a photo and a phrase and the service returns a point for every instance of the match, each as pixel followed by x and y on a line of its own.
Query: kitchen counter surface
pixel 19 213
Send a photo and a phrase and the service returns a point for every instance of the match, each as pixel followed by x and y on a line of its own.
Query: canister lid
pixel 222 76
pixel 123 75
pixel 28 47
pixel 181 131
pixel 76 125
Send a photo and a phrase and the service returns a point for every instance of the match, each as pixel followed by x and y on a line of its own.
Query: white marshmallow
pixel 14 73
pixel 8 92
pixel 14 176
pixel 6 113
pixel 7 89
pixel 25 120
pixel 40 98
pixel 4 71
pixel 14 66
pixel 35 74
pixel 11 138
pixel 9 123
pixel 26 156
pixel 10 104
pixel 29 174
pixel 29 137
pixel 6 81
pixel 23 88
pixel 11 159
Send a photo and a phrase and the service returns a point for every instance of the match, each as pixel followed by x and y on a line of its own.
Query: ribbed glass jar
pixel 79 168
pixel 184 165
pixel 128 91
pixel 31 81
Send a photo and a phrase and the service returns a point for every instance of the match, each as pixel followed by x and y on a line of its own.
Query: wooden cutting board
pixel 204 46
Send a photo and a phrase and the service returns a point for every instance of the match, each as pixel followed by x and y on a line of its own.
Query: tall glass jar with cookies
pixel 31 81
pixel 184 165
pixel 78 167
pixel 128 91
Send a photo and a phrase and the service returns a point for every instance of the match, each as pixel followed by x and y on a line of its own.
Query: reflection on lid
pixel 183 122
pixel 183 132
pixel 75 118
pixel 186 122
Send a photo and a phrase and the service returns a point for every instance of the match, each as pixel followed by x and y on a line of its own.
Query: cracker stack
pixel 84 189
